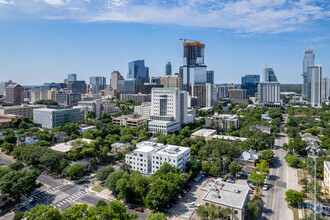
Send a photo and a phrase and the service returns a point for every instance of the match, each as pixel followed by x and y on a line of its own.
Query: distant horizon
pixel 44 40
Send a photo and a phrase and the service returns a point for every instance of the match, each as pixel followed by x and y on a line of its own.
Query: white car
pixel 265 187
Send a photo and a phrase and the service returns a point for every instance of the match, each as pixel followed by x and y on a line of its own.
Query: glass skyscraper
pixel 269 75
pixel 210 76
pixel 250 83
pixel 97 83
pixel 137 70
pixel 72 77
pixel 314 86
pixel 308 61
pixel 168 69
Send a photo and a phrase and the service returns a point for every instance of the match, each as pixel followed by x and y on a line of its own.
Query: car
pixel 251 187
pixel 251 184
pixel 184 191
pixel 248 181
pixel 265 187
pixel 191 204
pixel 179 196
pixel 268 176
pixel 138 209
pixel 230 181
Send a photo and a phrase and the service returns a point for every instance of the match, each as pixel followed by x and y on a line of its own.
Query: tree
pixel 92 164
pixel 76 171
pixel 257 178
pixel 267 155
pixel 213 212
pixel 112 179
pixel 43 212
pixel 17 183
pixel 18 165
pixel 101 203
pixel 91 114
pixel 156 216
pixel 11 138
pixel 158 195
pixel 252 209
pixel 18 216
pixel 7 147
pixel 292 160
pixel 262 167
pixel 104 172
pixel 293 197
pixel 4 170
pixel 234 168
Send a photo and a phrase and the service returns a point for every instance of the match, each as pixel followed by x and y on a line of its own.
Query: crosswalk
pixel 69 199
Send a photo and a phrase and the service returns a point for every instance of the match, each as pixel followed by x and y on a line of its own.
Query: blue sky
pixel 44 40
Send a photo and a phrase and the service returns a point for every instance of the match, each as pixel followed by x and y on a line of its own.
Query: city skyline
pixel 44 45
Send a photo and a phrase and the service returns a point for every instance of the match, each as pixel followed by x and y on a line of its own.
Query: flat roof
pixel 67 146
pixel 229 138
pixel 227 194
pixel 204 132
pixel 171 150
pixel 20 106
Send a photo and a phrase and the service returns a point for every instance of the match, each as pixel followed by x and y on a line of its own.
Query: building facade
pixel 130 120
pixel 210 76
pixel 14 93
pixel 97 83
pixel 137 70
pixel 171 82
pixel 144 109
pixel 136 97
pixel 148 157
pixel 51 118
pixel 250 83
pixel 222 121
pixel 237 94
pixel 308 61
pixel 23 110
pixel 269 75
pixel 325 89
pixel 168 68
pixel 99 106
pixel 314 86
pixel 269 92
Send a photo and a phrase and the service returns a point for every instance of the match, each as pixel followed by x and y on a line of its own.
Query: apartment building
pixel 130 120
pixel 150 156
pixel 222 121
pixel 23 110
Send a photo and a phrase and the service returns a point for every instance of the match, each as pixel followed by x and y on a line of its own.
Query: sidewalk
pixel 293 184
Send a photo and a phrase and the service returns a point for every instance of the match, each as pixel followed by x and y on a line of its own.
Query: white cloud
pixel 54 2
pixel 240 16
pixel 6 2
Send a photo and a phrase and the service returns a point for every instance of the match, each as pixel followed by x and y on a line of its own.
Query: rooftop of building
pixel 21 106
pixel 67 146
pixel 327 164
pixel 229 138
pixel 227 194
pixel 204 132
pixel 54 110
pixel 132 117
pixel 159 88
pixel 11 86
pixel 250 155
pixel 225 116
pixel 172 150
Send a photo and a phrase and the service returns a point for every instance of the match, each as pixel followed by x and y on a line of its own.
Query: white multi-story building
pixel 51 118
pixel 211 94
pixel 144 109
pixel 314 85
pixel 169 110
pixel 99 106
pixel 269 92
pixel 148 157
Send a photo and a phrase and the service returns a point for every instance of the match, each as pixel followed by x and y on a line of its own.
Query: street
pixel 275 206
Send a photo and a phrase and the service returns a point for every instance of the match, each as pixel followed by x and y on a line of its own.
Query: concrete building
pixel 168 68
pixel 308 61
pixel 115 77
pixel 130 120
pixel 14 93
pixel 325 89
pixel 77 86
pixel 23 110
pixel 198 91
pixel 148 157
pixel 37 94
pixel 205 133
pixel 51 118
pixel 144 109
pixel 314 86
pixel 269 92
pixel 136 97
pixel 227 195
pixel 211 94
pixel 67 147
pixel 237 94
pixel 210 76
pixel 99 106
pixel 3 86
pixel 223 89
pixel 67 97
pixel 171 81
pixel 222 121
pixel 155 80
pixel 147 87
pixel 168 110
pixel 326 178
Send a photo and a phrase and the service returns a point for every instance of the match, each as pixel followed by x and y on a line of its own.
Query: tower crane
pixel 185 40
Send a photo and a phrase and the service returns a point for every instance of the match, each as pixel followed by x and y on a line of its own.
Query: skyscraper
pixel 115 76
pixel 314 85
pixel 171 82
pixel 14 93
pixel 250 83
pixel 308 61
pixel 137 70
pixel 168 68
pixel 193 70
pixel 268 75
pixel 72 77
pixel 325 89
pixel 97 83
pixel 210 76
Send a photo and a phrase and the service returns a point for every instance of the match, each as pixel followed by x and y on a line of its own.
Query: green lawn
pixel 98 188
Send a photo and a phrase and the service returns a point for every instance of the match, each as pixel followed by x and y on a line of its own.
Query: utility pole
pixel 312 153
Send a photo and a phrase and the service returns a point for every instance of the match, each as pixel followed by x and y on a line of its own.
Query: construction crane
pixel 185 40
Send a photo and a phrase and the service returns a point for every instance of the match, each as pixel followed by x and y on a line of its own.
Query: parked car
pixel 129 206
pixel 251 187
pixel 248 181
pixel 139 209
pixel 265 187
pixel 230 180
